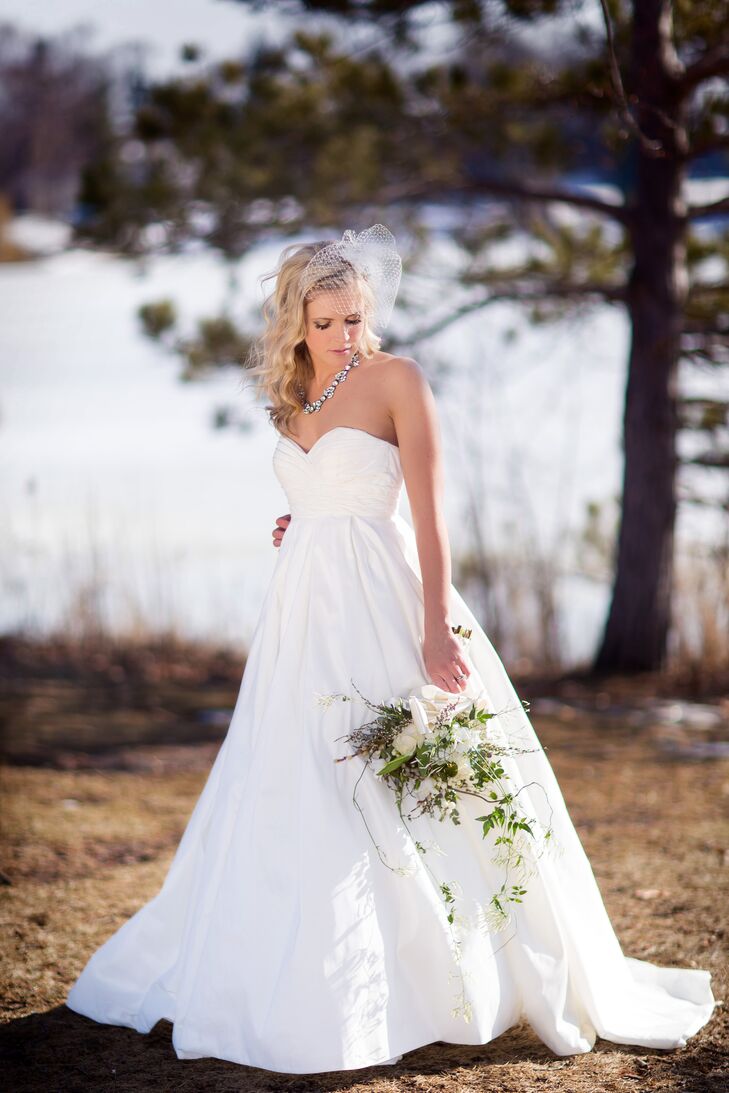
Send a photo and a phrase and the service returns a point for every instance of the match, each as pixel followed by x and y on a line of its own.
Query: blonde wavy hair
pixel 279 361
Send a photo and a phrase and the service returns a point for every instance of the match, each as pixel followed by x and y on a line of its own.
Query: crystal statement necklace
pixel 312 407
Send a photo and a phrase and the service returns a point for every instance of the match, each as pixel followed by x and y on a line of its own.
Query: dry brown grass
pixel 85 848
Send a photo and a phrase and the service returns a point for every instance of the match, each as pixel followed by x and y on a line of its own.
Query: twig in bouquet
pixel 396 869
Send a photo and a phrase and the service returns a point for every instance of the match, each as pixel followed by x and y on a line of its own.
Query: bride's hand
pixel 279 531
pixel 444 660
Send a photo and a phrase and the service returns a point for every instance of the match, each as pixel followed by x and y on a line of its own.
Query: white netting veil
pixel 335 269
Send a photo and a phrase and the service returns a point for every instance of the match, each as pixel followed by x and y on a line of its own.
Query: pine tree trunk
pixel 636 631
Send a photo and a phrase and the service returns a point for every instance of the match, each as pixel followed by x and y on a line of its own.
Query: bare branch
pixel 710 354
pixel 511 190
pixel 707 288
pixel 652 147
pixel 714 62
pixel 525 294
pixel 713 207
pixel 719 460
pixel 705 147
pixel 555 290
pixel 712 328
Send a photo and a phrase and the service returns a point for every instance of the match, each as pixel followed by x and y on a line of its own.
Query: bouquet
pixel 433 749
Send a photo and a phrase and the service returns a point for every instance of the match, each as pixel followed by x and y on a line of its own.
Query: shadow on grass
pixel 61 1051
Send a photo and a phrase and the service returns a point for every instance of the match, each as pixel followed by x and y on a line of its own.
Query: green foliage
pixel 217 342
pixel 158 317
pixel 189 52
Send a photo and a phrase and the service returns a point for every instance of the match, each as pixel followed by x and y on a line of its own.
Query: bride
pixel 279 939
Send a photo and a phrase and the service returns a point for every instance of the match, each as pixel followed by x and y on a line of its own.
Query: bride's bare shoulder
pixel 403 376
pixel 405 387
pixel 397 367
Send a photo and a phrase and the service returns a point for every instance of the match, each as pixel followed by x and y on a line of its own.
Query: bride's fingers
pixel 451 683
pixel 451 679
pixel 459 672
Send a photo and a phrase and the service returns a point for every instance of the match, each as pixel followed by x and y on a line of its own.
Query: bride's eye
pixel 352 322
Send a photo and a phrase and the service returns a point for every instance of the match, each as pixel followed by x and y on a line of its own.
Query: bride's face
pixel 331 336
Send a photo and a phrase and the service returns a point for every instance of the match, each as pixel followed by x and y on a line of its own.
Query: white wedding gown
pixel 279 939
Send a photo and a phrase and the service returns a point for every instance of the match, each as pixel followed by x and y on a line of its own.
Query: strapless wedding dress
pixel 279 939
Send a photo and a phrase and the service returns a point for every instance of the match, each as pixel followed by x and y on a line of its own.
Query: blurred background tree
pixel 379 106
pixel 54 118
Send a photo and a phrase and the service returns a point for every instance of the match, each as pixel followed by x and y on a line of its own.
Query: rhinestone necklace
pixel 312 407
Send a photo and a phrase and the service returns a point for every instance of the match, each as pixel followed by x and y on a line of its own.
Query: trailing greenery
pixel 436 752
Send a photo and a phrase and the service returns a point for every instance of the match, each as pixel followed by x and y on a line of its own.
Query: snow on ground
pixel 112 474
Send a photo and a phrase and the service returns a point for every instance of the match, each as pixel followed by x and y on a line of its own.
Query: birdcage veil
pixel 371 255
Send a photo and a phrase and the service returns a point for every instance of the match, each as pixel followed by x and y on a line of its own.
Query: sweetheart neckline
pixel 349 428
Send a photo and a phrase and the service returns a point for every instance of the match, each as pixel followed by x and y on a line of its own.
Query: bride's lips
pixel 341 350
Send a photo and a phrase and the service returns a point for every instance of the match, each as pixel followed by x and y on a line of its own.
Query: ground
pixel 88 835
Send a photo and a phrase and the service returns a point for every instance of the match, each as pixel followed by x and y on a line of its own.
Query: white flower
pixel 326 700
pixel 428 786
pixel 465 739
pixel 434 848
pixel 492 733
pixel 405 742
pixel 434 700
pixel 490 920
pixel 464 772
pixel 421 725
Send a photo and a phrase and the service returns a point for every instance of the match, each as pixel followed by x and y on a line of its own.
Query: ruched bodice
pixel 346 472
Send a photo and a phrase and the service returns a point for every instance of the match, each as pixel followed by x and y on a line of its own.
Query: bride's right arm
pixel 414 415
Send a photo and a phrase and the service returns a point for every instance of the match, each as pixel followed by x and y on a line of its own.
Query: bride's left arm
pixel 414 414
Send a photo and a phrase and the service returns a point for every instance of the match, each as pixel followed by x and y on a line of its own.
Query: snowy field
pixel 119 496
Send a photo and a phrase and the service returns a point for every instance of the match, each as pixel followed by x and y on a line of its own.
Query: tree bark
pixel 638 622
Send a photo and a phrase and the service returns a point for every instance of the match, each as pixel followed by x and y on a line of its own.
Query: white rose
pixel 405 742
